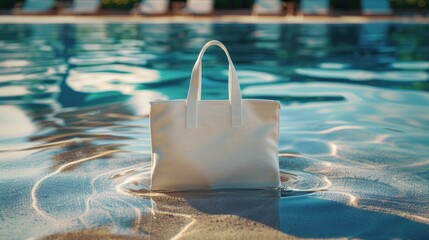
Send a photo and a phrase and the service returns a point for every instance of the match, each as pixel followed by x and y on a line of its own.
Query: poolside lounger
pixel 83 7
pixel 36 6
pixel 314 7
pixel 199 7
pixel 267 7
pixel 376 7
pixel 153 7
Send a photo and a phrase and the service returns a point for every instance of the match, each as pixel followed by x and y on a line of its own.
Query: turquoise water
pixel 74 129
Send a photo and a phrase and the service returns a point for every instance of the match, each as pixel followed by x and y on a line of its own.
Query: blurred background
pixel 336 7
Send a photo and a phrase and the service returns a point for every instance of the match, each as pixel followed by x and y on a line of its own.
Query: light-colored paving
pixel 221 19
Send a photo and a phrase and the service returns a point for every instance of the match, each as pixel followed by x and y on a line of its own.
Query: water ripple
pixel 75 130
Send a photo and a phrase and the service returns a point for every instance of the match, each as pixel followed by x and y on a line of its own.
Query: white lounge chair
pixel 199 7
pixel 36 6
pixel 153 7
pixel 376 7
pixel 267 7
pixel 83 7
pixel 314 7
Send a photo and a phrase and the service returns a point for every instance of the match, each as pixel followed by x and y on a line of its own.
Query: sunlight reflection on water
pixel 75 134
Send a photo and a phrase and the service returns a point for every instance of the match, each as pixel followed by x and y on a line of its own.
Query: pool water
pixel 75 143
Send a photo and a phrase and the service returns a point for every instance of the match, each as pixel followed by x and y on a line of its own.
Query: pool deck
pixel 208 19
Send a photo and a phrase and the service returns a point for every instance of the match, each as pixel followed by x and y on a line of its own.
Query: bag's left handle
pixel 194 93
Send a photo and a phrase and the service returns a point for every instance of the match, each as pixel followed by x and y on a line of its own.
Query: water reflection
pixel 14 122
pixel 363 75
pixel 75 152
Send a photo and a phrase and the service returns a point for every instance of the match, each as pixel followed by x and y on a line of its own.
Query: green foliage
pixel 118 4
pixel 233 4
pixel 410 4
pixel 345 5
pixel 8 4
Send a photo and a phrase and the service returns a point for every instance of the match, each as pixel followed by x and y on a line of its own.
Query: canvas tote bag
pixel 214 144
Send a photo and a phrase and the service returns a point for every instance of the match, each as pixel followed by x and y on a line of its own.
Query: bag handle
pixel 194 93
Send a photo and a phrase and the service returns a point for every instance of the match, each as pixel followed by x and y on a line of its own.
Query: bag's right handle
pixel 194 93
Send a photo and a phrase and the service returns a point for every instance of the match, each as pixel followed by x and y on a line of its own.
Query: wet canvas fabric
pixel 203 145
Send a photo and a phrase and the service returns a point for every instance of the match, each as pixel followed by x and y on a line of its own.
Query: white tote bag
pixel 214 144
